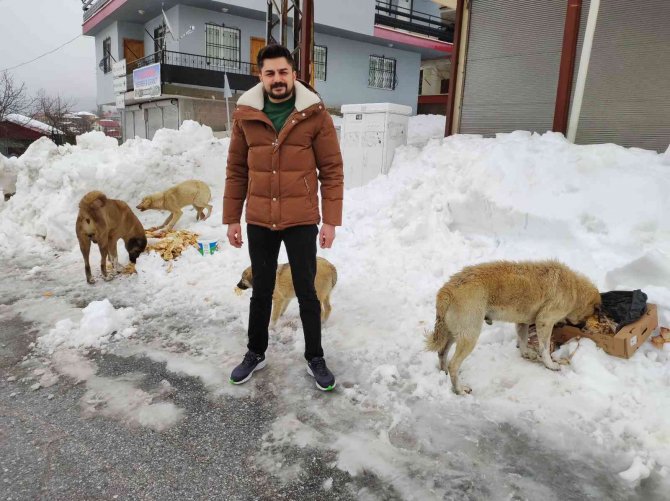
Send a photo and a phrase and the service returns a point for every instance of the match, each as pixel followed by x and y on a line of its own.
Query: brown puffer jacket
pixel 277 174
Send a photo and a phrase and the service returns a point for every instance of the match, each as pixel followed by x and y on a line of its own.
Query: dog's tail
pixel 437 340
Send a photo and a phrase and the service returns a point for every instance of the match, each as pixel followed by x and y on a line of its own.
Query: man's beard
pixel 280 91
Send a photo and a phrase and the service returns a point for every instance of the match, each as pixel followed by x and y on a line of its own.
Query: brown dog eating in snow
pixel 541 293
pixel 104 221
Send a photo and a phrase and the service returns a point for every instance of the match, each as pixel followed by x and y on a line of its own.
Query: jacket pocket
pixel 309 193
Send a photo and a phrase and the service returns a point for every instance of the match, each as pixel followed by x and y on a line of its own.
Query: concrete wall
pixel 105 82
pixel 131 31
pixel 348 61
pixel 195 43
pixel 350 15
pixel 173 17
pixel 427 7
pixel 347 73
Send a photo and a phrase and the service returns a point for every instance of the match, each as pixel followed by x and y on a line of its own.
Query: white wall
pixel 195 43
pixel 104 82
pixel 173 17
pixel 347 73
pixel 351 15
pixel 131 31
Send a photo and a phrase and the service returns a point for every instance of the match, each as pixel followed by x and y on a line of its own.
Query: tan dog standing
pixel 541 293
pixel 191 192
pixel 104 221
pixel 324 282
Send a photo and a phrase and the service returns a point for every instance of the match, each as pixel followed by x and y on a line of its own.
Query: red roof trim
pixel 411 39
pixel 99 16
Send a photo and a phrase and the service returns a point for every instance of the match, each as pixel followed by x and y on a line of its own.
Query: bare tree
pixel 53 111
pixel 13 96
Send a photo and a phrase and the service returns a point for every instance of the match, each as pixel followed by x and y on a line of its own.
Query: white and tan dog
pixel 324 282
pixel 191 192
pixel 541 293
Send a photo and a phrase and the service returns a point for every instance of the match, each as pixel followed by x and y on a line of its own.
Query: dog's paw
pixel 529 354
pixel 463 390
pixel 552 366
pixel 91 280
pixel 109 277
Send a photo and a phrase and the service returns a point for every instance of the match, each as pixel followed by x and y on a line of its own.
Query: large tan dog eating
pixel 541 293
pixel 191 192
pixel 104 221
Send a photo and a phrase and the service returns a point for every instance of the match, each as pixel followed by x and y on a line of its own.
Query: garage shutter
pixel 627 93
pixel 513 58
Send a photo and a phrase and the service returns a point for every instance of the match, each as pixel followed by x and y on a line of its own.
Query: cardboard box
pixel 624 343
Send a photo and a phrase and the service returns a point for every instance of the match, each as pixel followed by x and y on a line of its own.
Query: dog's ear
pixel 99 202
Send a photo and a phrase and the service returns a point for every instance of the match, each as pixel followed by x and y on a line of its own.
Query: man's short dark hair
pixel 274 51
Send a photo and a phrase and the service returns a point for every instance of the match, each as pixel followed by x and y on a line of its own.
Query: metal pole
pixel 566 69
pixel 306 40
pixel 455 48
pixel 284 22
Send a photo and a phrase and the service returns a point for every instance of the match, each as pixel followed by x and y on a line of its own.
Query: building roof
pixel 32 124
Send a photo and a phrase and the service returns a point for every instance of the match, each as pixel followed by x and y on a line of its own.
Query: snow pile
pixel 100 323
pixel 424 127
pixel 7 175
pixel 52 179
pixel 445 204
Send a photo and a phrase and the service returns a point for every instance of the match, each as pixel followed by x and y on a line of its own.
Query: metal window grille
pixel 382 74
pixel 159 37
pixel 107 55
pixel 320 62
pixel 222 46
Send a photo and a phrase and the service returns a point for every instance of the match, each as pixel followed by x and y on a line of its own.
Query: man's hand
pixel 326 236
pixel 235 235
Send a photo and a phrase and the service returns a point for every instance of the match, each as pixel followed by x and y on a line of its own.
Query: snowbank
pixel 445 204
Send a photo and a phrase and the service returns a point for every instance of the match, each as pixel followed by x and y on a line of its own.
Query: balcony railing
pixel 194 69
pixel 394 16
pixel 90 7
pixel 186 60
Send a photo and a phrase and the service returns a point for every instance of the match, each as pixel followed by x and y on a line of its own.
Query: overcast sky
pixel 29 28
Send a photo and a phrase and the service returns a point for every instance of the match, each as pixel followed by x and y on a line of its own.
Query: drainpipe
pixel 583 69
pixel 566 69
pixel 455 49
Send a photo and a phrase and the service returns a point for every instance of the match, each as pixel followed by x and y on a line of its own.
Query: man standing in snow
pixel 283 140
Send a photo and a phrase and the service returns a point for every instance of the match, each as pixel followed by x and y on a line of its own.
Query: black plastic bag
pixel 624 307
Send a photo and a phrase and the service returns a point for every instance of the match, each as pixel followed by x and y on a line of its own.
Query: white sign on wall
pixel 120 84
pixel 147 81
pixel 119 68
pixel 120 101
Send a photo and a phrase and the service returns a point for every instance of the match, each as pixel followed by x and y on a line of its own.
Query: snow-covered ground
pixel 446 203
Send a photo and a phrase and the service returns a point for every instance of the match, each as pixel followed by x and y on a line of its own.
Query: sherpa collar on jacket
pixel 255 97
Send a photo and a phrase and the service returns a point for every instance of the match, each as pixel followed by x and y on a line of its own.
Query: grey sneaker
pixel 252 362
pixel 318 370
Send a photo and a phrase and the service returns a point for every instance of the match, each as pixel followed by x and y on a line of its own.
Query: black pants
pixel 300 243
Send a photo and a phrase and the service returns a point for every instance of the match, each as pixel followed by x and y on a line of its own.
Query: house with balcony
pixel 364 51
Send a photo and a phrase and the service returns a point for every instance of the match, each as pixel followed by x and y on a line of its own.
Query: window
pixel 107 55
pixel 223 46
pixel 320 62
pixel 382 73
pixel 444 86
pixel 159 37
